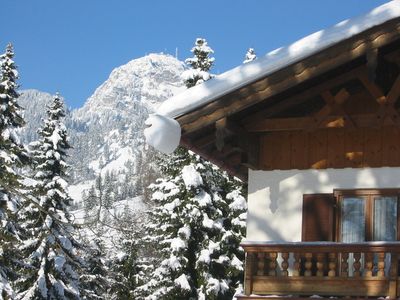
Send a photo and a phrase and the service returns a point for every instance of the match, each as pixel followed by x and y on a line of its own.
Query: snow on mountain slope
pixel 146 81
pixel 107 132
pixel 110 124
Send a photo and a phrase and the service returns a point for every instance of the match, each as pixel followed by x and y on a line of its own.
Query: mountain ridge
pixel 107 131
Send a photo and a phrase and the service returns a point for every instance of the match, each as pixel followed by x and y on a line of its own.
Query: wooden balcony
pixel 369 269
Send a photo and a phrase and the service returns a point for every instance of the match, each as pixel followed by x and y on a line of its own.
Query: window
pixel 367 215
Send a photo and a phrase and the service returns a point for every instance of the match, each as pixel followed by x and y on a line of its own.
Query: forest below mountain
pixel 89 211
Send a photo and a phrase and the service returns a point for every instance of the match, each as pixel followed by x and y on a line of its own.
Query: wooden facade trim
pixel 330 148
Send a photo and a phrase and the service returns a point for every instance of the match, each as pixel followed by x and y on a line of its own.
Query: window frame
pixel 369 195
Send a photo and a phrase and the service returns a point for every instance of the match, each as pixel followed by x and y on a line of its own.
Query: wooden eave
pixel 226 130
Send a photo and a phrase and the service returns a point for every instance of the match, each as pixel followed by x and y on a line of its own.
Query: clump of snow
pixel 204 256
pixel 163 133
pixel 214 286
pixel 239 202
pixel 177 244
pixel 203 199
pixel 193 74
pixel 182 282
pixel 191 177
pixel 184 232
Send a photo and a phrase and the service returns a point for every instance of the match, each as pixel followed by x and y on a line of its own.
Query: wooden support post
pixel 248 276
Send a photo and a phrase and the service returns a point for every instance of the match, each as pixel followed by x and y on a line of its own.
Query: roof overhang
pixel 219 118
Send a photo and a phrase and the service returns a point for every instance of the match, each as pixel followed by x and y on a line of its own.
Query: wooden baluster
pixel 308 265
pixel 260 263
pixel 345 265
pixel 381 265
pixel 357 264
pixel 272 264
pixel 285 264
pixel 320 264
pixel 249 271
pixel 332 265
pixel 296 265
pixel 369 264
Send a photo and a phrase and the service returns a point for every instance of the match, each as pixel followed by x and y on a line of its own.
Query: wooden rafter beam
pixel 386 102
pixel 245 141
pixel 220 133
pixel 232 169
pixel 225 128
pixel 372 63
pixel 301 97
pixel 334 104
pixel 204 141
pixel 304 123
pixel 394 92
pixel 227 151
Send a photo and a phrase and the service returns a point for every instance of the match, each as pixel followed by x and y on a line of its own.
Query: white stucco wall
pixel 276 197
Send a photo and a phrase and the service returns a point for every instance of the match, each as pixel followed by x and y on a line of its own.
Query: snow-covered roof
pixel 242 75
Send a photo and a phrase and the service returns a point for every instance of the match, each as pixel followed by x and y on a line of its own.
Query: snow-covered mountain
pixel 107 132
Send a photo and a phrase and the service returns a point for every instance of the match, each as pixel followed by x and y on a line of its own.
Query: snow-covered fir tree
pixel 194 232
pixel 12 156
pixel 95 281
pixel 250 55
pixel 200 64
pixel 49 247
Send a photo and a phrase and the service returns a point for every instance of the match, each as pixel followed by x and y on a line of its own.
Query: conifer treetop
pixel 200 64
pixel 201 59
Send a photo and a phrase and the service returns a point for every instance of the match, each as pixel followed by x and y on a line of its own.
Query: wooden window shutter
pixel 318 217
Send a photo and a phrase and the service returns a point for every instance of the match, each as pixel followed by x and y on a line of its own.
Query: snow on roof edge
pixel 277 59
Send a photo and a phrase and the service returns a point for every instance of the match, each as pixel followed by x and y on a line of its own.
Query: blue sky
pixel 71 46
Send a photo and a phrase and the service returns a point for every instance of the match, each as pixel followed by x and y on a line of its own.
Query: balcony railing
pixel 369 269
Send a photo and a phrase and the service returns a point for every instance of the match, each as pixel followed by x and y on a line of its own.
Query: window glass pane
pixel 353 219
pixel 385 218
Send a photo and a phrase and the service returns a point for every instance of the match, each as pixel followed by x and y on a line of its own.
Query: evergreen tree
pixel 195 230
pixel 200 64
pixel 124 268
pixel 49 247
pixel 12 156
pixel 90 203
pixel 250 56
pixel 95 280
